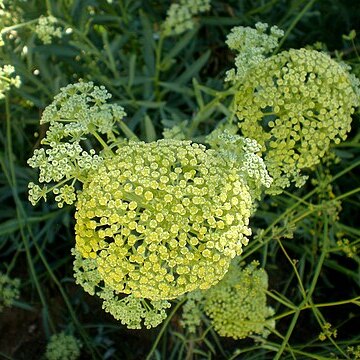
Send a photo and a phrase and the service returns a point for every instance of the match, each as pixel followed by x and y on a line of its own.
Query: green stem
pixel 322 258
pixel 287 336
pixel 17 26
pixel 101 141
pixel 49 7
pixel 274 347
pixel 349 193
pixel 282 301
pixel 293 24
pixel 302 289
pixel 163 328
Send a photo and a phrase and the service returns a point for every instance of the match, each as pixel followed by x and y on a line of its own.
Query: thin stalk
pixel 349 193
pixel 163 328
pixel 322 258
pixel 302 289
pixel 17 26
pixel 101 141
pixel 285 342
pixel 293 24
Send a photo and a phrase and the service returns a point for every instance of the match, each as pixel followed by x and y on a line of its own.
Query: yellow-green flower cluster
pixel 295 104
pixel 192 311
pixel 7 79
pixel 243 152
pixel 63 347
pixel 46 30
pixel 163 218
pixel 9 290
pixel 60 163
pixel 237 304
pixel 80 109
pixel 353 352
pixel 328 332
pixel 180 16
pixel 176 132
pixel 252 46
pixel 131 311
pixel 77 111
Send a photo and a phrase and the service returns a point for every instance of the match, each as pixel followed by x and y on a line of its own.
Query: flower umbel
pixel 7 79
pixel 237 304
pixel 252 46
pixel 77 113
pixel 163 218
pixel 46 30
pixel 244 153
pixel 132 312
pixel 295 104
pixel 9 290
pixel 180 17
pixel 62 346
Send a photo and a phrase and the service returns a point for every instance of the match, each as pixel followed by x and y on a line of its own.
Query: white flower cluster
pixel 244 152
pixel 46 30
pixel 61 161
pixel 252 45
pixel 7 79
pixel 180 16
pixel 78 110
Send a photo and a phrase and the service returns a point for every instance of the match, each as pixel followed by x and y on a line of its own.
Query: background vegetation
pixel 307 240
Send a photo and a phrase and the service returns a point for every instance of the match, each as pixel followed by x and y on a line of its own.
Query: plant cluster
pixel 9 290
pixel 208 230
pixel 295 104
pixel 62 346
pixel 158 220
pixel 236 305
pixel 7 79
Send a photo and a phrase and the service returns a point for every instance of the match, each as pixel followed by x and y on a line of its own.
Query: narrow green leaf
pixel 198 95
pixel 177 88
pixel 143 103
pixel 149 129
pixel 81 46
pixel 180 45
pixel 132 70
pixel 109 53
pixel 127 131
pixel 58 50
pixel 204 113
pixel 23 305
pixel 148 44
pixel 194 69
